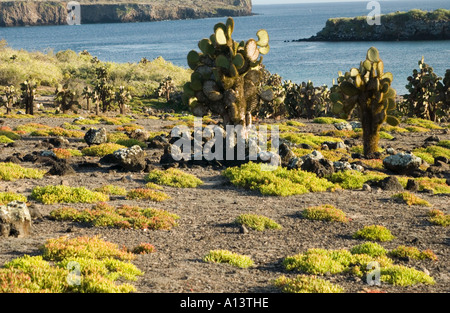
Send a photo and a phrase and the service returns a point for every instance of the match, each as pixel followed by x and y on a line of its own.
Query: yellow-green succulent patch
pixel 422 123
pixel 66 194
pixel 326 212
pixel 124 216
pixel 370 248
pixel 399 275
pixel 328 120
pixel 102 149
pixel 306 284
pixel 276 181
pixel 352 179
pixel 112 190
pixel 374 233
pixel 147 194
pixel 225 256
pixel 307 138
pixel 437 217
pixel 257 222
pixel 411 199
pixel 7 197
pixel 174 178
pixel 11 172
pixel 4 139
pixel 412 253
pixel 78 265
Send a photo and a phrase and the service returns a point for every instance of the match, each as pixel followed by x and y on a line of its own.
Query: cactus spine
pixel 368 89
pixel 226 77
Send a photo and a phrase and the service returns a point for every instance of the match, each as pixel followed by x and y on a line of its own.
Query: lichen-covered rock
pixel 15 220
pixel 131 159
pixel 402 163
pixel 343 126
pixel 96 136
pixel 139 134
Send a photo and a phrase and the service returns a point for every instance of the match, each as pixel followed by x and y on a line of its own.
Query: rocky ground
pixel 207 214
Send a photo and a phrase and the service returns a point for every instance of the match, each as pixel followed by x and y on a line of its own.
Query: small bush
pixel 153 186
pixel 7 197
pixel 310 139
pixel 225 256
pixel 328 120
pixel 306 284
pixel 65 194
pixel 437 217
pixel 57 131
pixel 144 248
pixel 131 142
pixel 354 179
pixel 123 216
pixel 444 143
pixel 370 248
pixel 66 153
pixel 412 253
pixel 319 261
pixel 276 182
pixel 399 275
pixel 147 194
pixel 10 134
pixel 174 178
pixel 257 222
pixel 411 199
pixel 374 233
pixel 4 139
pixel 422 123
pixel 112 190
pixel 102 149
pixel 325 212
pixel 113 137
pixel 11 172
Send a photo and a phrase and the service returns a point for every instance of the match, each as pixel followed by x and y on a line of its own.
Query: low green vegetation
pixel 131 142
pixel 276 182
pixel 174 178
pixel 328 120
pixel 399 275
pixel 124 216
pixel 11 172
pixel 225 256
pixel 257 222
pixel 444 143
pixel 410 199
pixel 352 179
pixel 370 248
pixel 412 253
pixel 62 153
pixel 102 149
pixel 4 139
pixel 374 233
pixel 147 194
pixel 422 123
pixel 429 153
pixel 101 265
pixel 326 212
pixel 437 217
pixel 144 248
pixel 66 194
pixel 309 139
pixel 7 197
pixel 306 284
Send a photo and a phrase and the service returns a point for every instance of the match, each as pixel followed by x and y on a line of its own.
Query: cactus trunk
pixel 371 134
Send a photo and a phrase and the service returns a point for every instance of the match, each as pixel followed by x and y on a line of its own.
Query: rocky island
pixel 398 26
pixel 34 13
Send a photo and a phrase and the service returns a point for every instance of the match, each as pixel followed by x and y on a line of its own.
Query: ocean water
pixel 295 61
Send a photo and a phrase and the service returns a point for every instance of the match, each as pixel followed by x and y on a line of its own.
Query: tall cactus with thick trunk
pixel 226 77
pixel 368 89
pixel 28 95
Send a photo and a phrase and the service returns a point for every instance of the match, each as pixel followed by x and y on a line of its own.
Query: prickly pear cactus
pixel 65 99
pixel 367 88
pixel 424 88
pixel 306 100
pixel 226 78
pixel 28 89
pixel 272 95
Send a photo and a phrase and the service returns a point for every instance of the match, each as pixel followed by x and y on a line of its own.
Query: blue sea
pixel 295 61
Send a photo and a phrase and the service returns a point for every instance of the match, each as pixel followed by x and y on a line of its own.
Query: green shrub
pixel 306 284
pixel 278 181
pixel 144 248
pixel 124 216
pixel 412 253
pixel 410 199
pixel 4 139
pixel 351 179
pixel 325 212
pixel 374 233
pixel 370 248
pixel 444 143
pixel 422 123
pixel 429 153
pixel 102 149
pixel 310 139
pixel 147 194
pixel 174 178
pixel 131 142
pixel 10 134
pixel 399 275
pixel 11 172
pixel 319 261
pixel 225 256
pixel 65 194
pixel 327 120
pixel 437 217
pixel 257 222
pixel 7 197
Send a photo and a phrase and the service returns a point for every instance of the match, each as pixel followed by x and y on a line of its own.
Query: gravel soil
pixel 207 215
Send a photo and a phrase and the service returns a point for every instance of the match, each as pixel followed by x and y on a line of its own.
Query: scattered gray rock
pixel 402 163
pixel 342 166
pixel 131 159
pixel 139 134
pixel 321 167
pixel 357 167
pixel 59 142
pixel 433 139
pixel 391 183
pixel 343 126
pixel 61 168
pixel 15 220
pixel 286 154
pixel 412 185
pixel 390 151
pixel 96 136
pixel 335 145
pixel 355 124
pixel 366 187
pixel 48 153
pixel 158 142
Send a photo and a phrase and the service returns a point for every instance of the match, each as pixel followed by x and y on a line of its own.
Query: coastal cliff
pixel 34 13
pixel 399 26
